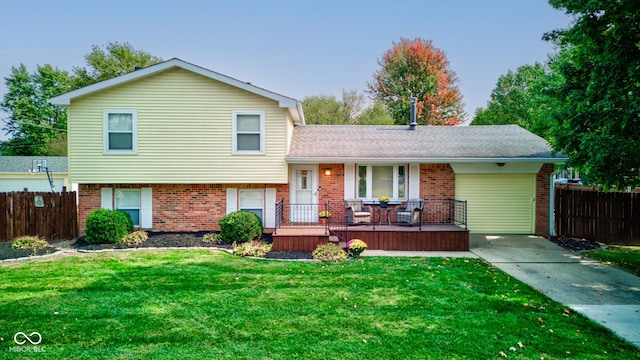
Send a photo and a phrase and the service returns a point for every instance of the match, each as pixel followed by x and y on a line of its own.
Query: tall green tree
pixel 376 114
pixel 324 110
pixel 114 60
pixel 39 128
pixel 32 121
pixel 524 98
pixel 351 110
pixel 416 68
pixel 599 120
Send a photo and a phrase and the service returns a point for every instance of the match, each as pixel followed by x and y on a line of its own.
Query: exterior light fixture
pixel 327 171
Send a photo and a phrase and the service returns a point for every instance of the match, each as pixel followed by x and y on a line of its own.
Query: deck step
pixel 333 239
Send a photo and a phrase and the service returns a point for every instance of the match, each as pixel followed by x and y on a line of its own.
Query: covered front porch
pixel 441 227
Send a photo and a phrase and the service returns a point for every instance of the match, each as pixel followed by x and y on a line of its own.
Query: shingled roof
pixel 21 164
pixel 345 143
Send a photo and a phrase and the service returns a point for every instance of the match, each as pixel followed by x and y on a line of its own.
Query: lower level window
pixel 252 200
pixel 128 200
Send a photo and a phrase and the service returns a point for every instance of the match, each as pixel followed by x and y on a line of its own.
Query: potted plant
pixel 324 215
pixel 384 201
pixel 356 247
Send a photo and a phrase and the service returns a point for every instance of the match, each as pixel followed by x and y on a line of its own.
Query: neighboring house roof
pixel 353 143
pixel 295 107
pixel 22 164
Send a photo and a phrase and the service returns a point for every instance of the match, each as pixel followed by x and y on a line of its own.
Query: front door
pixel 304 194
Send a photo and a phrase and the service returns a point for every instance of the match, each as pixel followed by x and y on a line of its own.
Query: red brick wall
pixel 542 199
pixel 199 207
pixel 332 185
pixel 437 182
pixel 177 207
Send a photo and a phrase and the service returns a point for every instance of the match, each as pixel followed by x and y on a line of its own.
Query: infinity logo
pixel 27 338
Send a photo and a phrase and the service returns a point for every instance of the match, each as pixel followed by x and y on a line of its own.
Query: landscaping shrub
pixel 330 253
pixel 240 226
pixel 107 226
pixel 134 238
pixel 252 248
pixel 212 238
pixel 30 242
pixel 129 221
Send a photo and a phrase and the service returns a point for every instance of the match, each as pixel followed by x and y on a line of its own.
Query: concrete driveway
pixel 603 293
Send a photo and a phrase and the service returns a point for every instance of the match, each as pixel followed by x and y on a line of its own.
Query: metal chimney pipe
pixel 412 116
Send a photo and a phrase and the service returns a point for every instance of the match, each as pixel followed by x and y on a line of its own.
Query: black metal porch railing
pixel 298 214
pixel 447 211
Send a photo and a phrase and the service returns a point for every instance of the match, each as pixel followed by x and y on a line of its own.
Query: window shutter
pixel 146 215
pixel 414 181
pixel 270 208
pixel 106 198
pixel 232 200
pixel 349 181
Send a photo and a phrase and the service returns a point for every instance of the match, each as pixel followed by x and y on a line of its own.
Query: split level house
pixel 178 147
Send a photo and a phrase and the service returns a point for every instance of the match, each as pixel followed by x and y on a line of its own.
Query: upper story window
pixel 378 180
pixel 120 131
pixel 248 132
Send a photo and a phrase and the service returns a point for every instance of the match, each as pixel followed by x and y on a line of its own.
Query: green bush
pixel 252 248
pixel 134 238
pixel 30 242
pixel 212 238
pixel 129 221
pixel 330 253
pixel 240 226
pixel 107 226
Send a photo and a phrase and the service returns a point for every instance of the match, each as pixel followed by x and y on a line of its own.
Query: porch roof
pixel 435 144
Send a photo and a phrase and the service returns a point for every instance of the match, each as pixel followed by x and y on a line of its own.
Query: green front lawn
pixel 625 257
pixel 204 304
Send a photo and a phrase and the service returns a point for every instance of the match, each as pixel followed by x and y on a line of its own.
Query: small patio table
pixel 384 214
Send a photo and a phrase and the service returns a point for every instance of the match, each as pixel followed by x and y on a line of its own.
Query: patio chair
pixel 357 212
pixel 410 213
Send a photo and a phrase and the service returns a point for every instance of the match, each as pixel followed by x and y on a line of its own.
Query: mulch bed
pixel 574 244
pixel 156 240
pixel 7 252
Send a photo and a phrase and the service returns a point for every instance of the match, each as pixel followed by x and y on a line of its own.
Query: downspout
pixel 552 200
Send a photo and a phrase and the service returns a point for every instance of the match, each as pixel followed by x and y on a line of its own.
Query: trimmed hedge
pixel 107 226
pixel 240 226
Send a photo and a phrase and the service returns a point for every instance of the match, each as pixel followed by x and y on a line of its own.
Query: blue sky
pixel 296 48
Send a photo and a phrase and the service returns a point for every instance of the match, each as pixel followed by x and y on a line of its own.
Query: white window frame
pixel 256 191
pixel 139 208
pixel 235 114
pixel 369 182
pixel 134 131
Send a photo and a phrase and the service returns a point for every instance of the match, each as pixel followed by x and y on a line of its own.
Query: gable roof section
pixel 295 108
pixel 435 144
pixel 21 164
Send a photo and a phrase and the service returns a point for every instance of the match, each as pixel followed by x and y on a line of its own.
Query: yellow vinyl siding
pixel 498 203
pixel 184 133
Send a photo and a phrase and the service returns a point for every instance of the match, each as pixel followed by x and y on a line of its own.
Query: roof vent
pixel 413 123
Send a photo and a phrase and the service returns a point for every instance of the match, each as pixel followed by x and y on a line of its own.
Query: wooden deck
pixel 383 237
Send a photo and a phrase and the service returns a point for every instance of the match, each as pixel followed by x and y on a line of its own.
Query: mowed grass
pixel 204 304
pixel 624 257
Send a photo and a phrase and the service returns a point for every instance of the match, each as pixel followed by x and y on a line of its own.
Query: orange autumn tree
pixel 419 69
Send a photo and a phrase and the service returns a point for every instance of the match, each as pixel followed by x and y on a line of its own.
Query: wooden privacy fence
pixel 611 218
pixel 52 216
